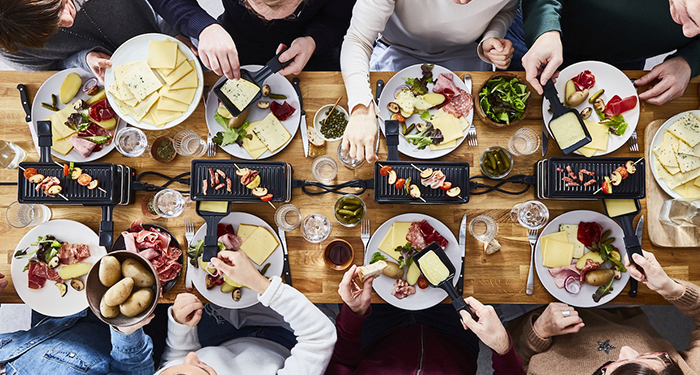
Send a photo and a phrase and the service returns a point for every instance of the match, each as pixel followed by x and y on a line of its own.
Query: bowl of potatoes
pixel 122 288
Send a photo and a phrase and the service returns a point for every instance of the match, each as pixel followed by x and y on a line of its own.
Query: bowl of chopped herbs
pixel 163 149
pixel 503 100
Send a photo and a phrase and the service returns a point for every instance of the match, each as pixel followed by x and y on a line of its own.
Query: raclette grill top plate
pixel 105 173
pixel 456 173
pixel 276 176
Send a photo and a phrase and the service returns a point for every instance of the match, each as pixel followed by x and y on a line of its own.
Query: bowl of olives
pixel 496 162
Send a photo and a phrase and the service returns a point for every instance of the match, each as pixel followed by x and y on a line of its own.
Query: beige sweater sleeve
pixel 689 304
pixel 530 342
pixel 499 25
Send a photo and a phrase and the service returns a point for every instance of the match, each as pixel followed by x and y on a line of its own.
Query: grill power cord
pixel 517 179
pixel 182 178
pixel 360 184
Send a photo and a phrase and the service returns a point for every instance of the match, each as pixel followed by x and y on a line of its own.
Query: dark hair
pixel 639 369
pixel 28 23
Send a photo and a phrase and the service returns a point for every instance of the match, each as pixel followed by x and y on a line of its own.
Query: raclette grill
pixel 275 176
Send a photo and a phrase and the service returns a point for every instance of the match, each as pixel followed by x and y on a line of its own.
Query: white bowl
pixel 321 114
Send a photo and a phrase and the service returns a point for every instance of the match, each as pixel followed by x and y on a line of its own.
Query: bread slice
pixel 314 138
pixel 371 270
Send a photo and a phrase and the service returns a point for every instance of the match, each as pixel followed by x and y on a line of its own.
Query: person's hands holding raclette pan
pixel 646 269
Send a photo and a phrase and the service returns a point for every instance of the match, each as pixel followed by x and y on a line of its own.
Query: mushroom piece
pixel 62 288
pixel 631 168
pixel 37 178
pixel 426 173
pixel 414 191
pixel 77 284
pixel 266 90
pixel 54 262
pixel 209 282
pixel 93 184
pixel 599 104
pixel 77 171
pixel 259 192
pixel 263 104
pixel 453 192
pixel 586 112
pixel 392 177
pixel 236 295
pixel 79 104
pixel 242 172
pixel 420 127
pixel 393 107
pixel 616 178
pixel 617 274
pixel 54 190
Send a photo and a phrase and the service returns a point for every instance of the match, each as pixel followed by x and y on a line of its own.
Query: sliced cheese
pixel 681 178
pixel 387 241
pixel 254 146
pixel 245 230
pixel 443 146
pixel 167 104
pixel 666 155
pixel 121 71
pixel 259 245
pixel 687 163
pixel 60 133
pixel 181 58
pixel 556 236
pixel 690 190
pixel 162 54
pixel 148 119
pixel 179 73
pixel 183 96
pixel 599 134
pixel 189 81
pixel 449 125
pixel 272 133
pixel 697 182
pixel 687 150
pixel 400 232
pixel 557 254
pixel 572 236
pixel 587 152
pixel 687 129
pixel 141 81
pixel 670 139
pixel 163 117
pixel 139 111
pixel 240 92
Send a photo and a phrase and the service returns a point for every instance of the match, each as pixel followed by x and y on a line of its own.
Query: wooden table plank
pixel 498 278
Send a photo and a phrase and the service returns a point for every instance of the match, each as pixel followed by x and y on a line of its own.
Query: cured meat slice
pixel 559 275
pixel 83 146
pixel 74 253
pixel 230 241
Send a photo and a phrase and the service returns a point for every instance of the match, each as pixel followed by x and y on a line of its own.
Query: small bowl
pixel 483 115
pixel 321 114
pixel 331 264
pixel 489 175
pixel 340 219
pixel 156 145
pixel 145 200
pixel 94 290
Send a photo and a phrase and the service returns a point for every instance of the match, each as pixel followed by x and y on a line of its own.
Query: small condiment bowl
pixel 329 263
pixel 483 115
pixel 321 114
pixel 340 219
pixel 147 200
pixel 489 175
pixel 157 143
pixel 94 290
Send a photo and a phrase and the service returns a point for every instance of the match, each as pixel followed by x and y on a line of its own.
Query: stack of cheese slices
pixel 258 243
pixel 267 134
pixel 678 157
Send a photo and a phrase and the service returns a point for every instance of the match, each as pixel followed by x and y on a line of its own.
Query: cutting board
pixel 661 234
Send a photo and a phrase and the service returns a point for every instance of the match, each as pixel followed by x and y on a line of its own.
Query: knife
pixel 24 97
pixel 283 240
pixel 545 135
pixel 302 128
pixel 638 232
pixel 463 246
pixel 377 94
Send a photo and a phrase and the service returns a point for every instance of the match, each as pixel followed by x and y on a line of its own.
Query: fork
pixel 532 237
pixel 364 234
pixel 211 146
pixel 632 142
pixel 189 236
pixel 471 132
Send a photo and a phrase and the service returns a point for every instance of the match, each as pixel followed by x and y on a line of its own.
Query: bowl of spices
pixel 163 149
pixel 330 122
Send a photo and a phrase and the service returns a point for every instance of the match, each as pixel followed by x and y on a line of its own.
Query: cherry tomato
pixel 29 172
pixel 84 179
pixel 422 282
pixel 266 197
pixel 446 185
pixel 400 183
pixel 66 170
pixel 384 171
pixel 397 116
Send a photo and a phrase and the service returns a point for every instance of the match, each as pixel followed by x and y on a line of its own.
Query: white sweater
pixel 315 333
pixel 428 26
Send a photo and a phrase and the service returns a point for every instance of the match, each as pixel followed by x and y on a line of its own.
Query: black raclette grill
pixel 275 176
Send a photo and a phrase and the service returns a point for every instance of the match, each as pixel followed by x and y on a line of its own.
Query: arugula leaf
pixel 407 253
pixel 603 291
pixel 194 251
pixel 376 257
pixel 98 139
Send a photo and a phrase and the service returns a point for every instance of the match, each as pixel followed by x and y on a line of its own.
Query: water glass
pixel 188 143
pixel 131 142
pixel 484 228
pixel 324 169
pixel 346 160
pixel 20 215
pixel 525 141
pixel 11 155
pixel 169 203
pixel 680 212
pixel 530 214
pixel 315 228
pixel 287 217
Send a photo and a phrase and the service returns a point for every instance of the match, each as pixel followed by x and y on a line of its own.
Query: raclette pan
pixel 275 176
pixel 632 244
pixel 211 241
pixel 558 110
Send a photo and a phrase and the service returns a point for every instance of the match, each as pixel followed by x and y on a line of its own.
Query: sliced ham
pixel 74 253
pixel 83 146
pixel 588 267
pixel 149 254
pixel 230 241
pixel 154 245
pixel 43 271
pixel 459 102
pixel 136 226
pixel 129 242
pixel 35 282
pixel 445 85
pixel 562 273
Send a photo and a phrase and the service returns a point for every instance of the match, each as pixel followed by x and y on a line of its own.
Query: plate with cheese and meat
pixel 675 155
pixel 155 81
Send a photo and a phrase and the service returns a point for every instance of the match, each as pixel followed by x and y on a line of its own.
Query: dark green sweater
pixel 613 31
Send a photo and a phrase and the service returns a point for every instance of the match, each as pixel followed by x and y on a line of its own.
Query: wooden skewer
pixel 331 111
pixel 271 204
pixel 59 194
pixel 599 189
pixel 419 170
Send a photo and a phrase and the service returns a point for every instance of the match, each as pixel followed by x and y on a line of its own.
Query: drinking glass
pixel 287 217
pixel 188 143
pixel 346 160
pixel 530 214
pixel 131 142
pixel 484 228
pixel 324 169
pixel 20 215
pixel 169 203
pixel 525 141
pixel 680 212
pixel 11 155
pixel 315 228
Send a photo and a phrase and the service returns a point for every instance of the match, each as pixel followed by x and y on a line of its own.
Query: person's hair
pixel 639 369
pixel 28 23
pixel 276 4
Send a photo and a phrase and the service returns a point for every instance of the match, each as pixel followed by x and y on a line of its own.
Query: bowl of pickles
pixel 496 162
pixel 349 210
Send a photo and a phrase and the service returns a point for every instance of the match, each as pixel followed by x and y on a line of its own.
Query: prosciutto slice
pixel 74 253
pixel 459 102
pixel 83 146
pixel 154 245
pixel 230 241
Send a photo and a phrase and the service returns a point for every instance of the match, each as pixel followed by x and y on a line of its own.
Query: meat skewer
pixel 628 171
pixel 76 177
pixel 47 183
pixel 238 168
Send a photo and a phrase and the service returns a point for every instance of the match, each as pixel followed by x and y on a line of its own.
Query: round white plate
pixel 607 77
pixel 424 298
pixel 656 141
pixel 47 300
pixel 39 113
pixel 136 49
pixel 389 94
pixel 585 297
pixel 248 297
pixel 278 85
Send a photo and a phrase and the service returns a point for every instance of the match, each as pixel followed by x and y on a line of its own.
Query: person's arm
pixel 498 27
pixel 539 17
pixel 691 53
pixel 508 363
pixel 346 355
pixel 182 339
pixel 689 304
pixel 330 24
pixel 22 61
pixel 131 353
pixel 186 16
pixel 531 342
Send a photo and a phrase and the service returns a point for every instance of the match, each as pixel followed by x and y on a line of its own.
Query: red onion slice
pixel 89 84
pixel 572 285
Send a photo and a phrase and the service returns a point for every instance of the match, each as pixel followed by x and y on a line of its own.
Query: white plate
pixel 39 113
pixel 278 85
pixel 136 49
pixel 248 297
pixel 607 77
pixel 47 300
pixel 656 141
pixel 389 95
pixel 585 297
pixel 424 298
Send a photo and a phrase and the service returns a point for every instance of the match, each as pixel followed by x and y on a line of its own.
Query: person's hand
pixel 218 51
pixel 361 135
pixel 686 13
pixel 489 327
pixel 648 271
pixel 552 322
pixel 547 50
pixel 300 51
pixel 358 300
pixel 131 329
pixel 98 63
pixel 673 76
pixel 239 268
pixel 187 309
pixel 498 51
pixel 3 283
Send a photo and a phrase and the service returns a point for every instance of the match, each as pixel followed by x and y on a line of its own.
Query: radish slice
pixel 572 285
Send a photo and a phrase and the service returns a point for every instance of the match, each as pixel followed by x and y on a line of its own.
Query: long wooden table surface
pixel 497 278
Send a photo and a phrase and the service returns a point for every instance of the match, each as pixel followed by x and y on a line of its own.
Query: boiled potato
pixel 110 271
pixel 102 94
pixel 393 270
pixel 70 86
pixel 108 311
pixel 137 303
pixel 413 274
pixel 569 89
pixel 73 271
pixel 143 278
pixel 119 292
pixel 577 98
pixel 599 277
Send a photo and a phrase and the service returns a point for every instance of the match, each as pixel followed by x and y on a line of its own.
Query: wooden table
pixel 498 278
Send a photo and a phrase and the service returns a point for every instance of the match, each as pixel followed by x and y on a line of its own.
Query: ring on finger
pixel 566 313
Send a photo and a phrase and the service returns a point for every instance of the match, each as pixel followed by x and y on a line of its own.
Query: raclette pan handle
pixel 211 245
pixel 45 140
pixel 550 92
pixel 457 301
pixel 106 227
pixel 391 130
pixel 272 66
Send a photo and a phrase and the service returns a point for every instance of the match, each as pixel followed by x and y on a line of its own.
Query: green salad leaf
pixel 376 257
pixel 231 135
pixel 503 99
pixel 221 120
